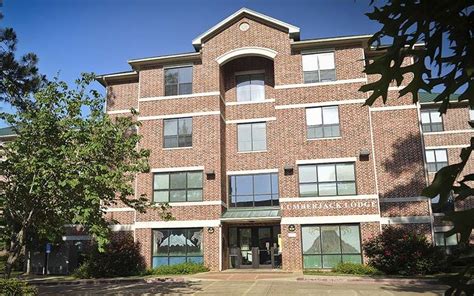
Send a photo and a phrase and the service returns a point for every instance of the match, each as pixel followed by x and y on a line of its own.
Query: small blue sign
pixel 48 248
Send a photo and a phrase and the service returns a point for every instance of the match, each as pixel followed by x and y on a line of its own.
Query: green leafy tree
pixel 19 77
pixel 435 24
pixel 66 166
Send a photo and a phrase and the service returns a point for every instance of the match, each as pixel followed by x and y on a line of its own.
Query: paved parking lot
pixel 242 287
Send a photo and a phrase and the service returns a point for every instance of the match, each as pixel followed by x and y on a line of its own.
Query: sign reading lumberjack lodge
pixel 326 205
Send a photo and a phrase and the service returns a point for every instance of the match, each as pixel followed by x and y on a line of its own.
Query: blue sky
pixel 74 36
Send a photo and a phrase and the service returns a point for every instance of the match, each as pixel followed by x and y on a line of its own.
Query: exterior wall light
pixel 288 169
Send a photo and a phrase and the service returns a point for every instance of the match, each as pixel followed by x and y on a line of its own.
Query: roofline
pixel 118 75
pixel 293 31
pixel 331 40
pixel 181 57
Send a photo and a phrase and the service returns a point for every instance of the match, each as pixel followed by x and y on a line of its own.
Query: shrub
pixel 121 258
pixel 403 252
pixel 14 287
pixel 355 268
pixel 183 268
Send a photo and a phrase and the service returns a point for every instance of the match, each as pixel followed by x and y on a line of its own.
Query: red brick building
pixel 261 145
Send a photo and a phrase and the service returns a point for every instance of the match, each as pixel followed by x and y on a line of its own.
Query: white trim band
pixel 330 219
pixel 326 160
pixel 121 111
pixel 442 228
pixel 127 209
pixel 178 224
pixel 447 147
pixel 76 237
pixel 393 108
pixel 195 114
pixel 248 172
pixel 177 169
pixel 404 199
pixel 198 203
pixel 122 227
pixel 246 51
pixel 196 95
pixel 286 86
pixel 325 198
pixel 250 120
pixel 449 132
pixel 249 102
pixel 406 220
pixel 318 104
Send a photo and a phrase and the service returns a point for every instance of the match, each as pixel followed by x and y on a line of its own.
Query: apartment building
pixel 262 146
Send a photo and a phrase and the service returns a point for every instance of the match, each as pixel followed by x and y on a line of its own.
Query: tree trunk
pixel 14 251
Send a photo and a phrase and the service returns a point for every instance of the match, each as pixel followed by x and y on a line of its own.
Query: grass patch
pixel 183 268
pixel 356 269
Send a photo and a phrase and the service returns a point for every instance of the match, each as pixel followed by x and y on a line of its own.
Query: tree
pixel 18 77
pixel 405 24
pixel 66 166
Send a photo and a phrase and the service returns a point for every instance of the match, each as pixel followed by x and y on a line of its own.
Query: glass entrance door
pixel 245 244
pixel 265 241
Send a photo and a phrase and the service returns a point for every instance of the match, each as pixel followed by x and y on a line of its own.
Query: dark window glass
pixel 174 246
pixel 322 122
pixel 250 87
pixel 177 186
pixel 177 132
pixel 431 121
pixel 436 159
pixel 326 246
pixel 178 81
pixel 327 179
pixel 254 190
pixel 252 136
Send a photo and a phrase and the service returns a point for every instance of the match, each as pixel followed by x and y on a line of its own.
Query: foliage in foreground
pixel 121 258
pixel 14 287
pixel 183 268
pixel 355 268
pixel 402 252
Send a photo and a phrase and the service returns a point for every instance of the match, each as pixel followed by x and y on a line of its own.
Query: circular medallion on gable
pixel 244 26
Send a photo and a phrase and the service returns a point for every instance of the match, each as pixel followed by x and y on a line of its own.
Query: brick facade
pixel 388 181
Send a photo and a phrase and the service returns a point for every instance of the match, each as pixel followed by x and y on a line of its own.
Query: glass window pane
pixel 430 156
pixel 307 173
pixel 336 131
pixel 345 172
pixel 244 185
pixel 195 195
pixel 327 189
pixel 350 239
pixel 161 242
pixel 185 126
pixel 309 190
pixel 196 259
pixel 259 131
pixel 185 74
pixel 161 181
pixel 178 180
pixel 310 62
pixel 425 117
pixel 262 184
pixel 313 116
pixel 432 167
pixel 194 237
pixel 311 240
pixel 451 240
pixel 170 127
pixel 326 60
pixel 178 242
pixel 263 200
pixel 274 183
pixel 159 261
pixel 331 242
pixel 244 137
pixel 357 259
pixel 171 90
pixel 171 76
pixel 441 156
pixel 326 172
pixel 244 200
pixel 436 117
pixel 311 76
pixel 258 87
pixel 330 115
pixel 160 196
pixel 327 75
pixel 312 261
pixel 436 127
pixel 243 88
pixel 439 239
pixel 185 88
pixel 194 179
pixel 177 260
pixel 177 195
pixel 259 145
pixel 346 188
pixel 330 261
pixel 170 142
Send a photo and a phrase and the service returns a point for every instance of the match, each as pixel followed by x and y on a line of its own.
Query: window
pixel 250 87
pixel 252 136
pixel 177 186
pixel 253 190
pixel 471 115
pixel 178 132
pixel 319 67
pixel 327 179
pixel 436 159
pixel 326 246
pixel 322 122
pixel 447 207
pixel 175 246
pixel 178 81
pixel 441 241
pixel 431 121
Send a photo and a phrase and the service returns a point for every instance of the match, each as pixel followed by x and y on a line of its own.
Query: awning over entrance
pixel 250 214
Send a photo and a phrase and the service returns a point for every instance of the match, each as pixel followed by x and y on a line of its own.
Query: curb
pixel 103 281
pixel 362 280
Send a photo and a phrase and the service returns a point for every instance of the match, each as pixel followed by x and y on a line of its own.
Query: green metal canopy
pixel 252 213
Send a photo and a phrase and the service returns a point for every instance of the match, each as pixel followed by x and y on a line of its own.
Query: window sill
pixel 249 102
pixel 319 139
pixel 256 151
pixel 177 148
